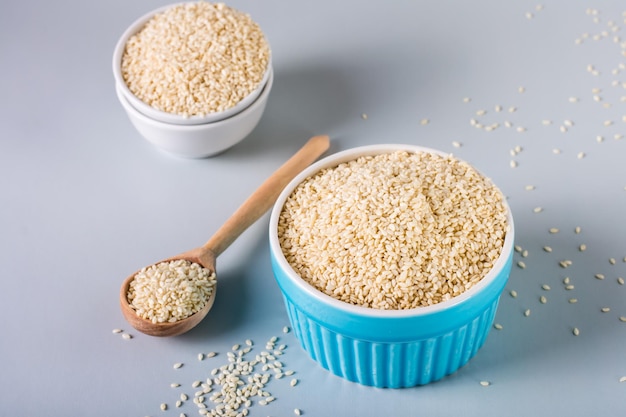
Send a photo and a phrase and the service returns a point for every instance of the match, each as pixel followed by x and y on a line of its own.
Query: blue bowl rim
pixel 354 310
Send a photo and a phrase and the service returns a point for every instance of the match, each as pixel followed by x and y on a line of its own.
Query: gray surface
pixel 85 201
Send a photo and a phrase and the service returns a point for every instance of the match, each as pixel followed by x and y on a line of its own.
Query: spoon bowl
pixel 206 255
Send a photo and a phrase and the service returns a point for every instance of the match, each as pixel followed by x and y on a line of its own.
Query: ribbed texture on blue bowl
pixel 391 365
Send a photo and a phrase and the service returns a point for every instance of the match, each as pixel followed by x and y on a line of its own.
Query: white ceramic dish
pixel 198 141
pixel 157 114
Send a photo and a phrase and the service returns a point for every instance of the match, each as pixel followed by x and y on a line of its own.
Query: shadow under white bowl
pixel 198 141
pixel 163 116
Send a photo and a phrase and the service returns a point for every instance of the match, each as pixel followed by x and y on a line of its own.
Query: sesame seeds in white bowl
pixel 391 260
pixel 192 63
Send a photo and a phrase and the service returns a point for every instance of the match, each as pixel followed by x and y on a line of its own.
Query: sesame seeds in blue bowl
pixel 391 260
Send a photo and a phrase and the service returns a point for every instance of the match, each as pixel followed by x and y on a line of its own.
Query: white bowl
pixel 198 141
pixel 160 115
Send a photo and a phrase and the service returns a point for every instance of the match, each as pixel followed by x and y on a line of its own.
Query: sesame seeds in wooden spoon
pixel 249 212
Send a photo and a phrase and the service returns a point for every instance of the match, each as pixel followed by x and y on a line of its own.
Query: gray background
pixel 85 201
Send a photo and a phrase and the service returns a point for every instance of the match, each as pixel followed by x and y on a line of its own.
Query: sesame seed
pixel 513 164
pixel 620 280
pixel 249 342
pixel 537 209
pixel 527 312
pixel 293 382
pixel 127 336
pixel 200 356
pixel 553 230
pixel 577 230
pixel 117 330
pixel 576 331
pixel 543 299
pixel 163 407
pixel 582 247
pixel 566 280
pixel 605 309
pixel 581 155
pixel 297 412
pixel 183 397
pixel 521 264
pixel 546 122
pixel 498 326
pixel 363 116
pixel 513 293
pixel 612 261
pixel 521 129
pixel 547 249
pixel 485 383
pixel 545 287
pixel 196 384
pixel 529 187
pixel 456 144
pixel 467 100
pixel 569 287
pixel 622 319
pixel 521 89
pixel 622 379
pixel 424 122
pixel 599 276
pixel 556 151
pixel 211 354
pixel 178 365
pixel 572 300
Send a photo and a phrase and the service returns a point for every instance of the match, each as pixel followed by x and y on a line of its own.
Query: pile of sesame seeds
pixel 237 384
pixel 170 291
pixel 397 230
pixel 196 58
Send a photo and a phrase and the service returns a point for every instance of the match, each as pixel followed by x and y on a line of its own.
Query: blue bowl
pixel 387 348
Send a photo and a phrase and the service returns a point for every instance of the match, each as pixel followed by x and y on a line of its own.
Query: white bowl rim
pixel 161 115
pixel 159 124
pixel 350 154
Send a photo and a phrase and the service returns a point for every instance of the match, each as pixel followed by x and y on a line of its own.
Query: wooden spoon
pixel 249 212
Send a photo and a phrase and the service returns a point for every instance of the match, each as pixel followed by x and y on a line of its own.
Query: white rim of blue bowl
pixel 130 108
pixel 348 155
pixel 163 116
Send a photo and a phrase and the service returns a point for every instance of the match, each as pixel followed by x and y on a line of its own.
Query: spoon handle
pixel 264 197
